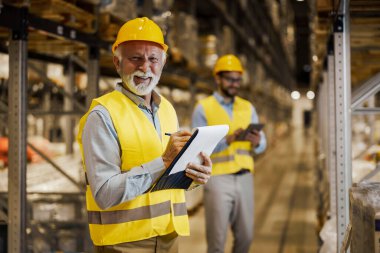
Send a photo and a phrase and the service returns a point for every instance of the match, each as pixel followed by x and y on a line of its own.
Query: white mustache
pixel 140 89
pixel 141 74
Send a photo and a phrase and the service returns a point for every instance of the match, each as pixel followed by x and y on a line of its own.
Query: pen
pixel 168 134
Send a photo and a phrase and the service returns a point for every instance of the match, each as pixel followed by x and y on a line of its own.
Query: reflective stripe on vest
pixel 140 213
pixel 149 214
pixel 221 159
pixel 238 154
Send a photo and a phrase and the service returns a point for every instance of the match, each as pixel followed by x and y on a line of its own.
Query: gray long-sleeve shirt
pixel 102 156
pixel 199 119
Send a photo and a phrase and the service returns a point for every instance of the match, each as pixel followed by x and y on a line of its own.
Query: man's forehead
pixel 141 46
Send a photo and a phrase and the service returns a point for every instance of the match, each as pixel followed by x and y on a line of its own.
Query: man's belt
pixel 241 172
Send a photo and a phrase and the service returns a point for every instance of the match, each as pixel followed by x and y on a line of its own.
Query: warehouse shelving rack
pixel 20 22
pixel 254 35
pixel 336 105
pixel 337 120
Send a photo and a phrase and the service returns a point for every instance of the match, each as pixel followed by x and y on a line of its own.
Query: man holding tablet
pixel 228 196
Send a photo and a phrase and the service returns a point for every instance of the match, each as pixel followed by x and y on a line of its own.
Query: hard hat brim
pixel 117 43
pixel 228 70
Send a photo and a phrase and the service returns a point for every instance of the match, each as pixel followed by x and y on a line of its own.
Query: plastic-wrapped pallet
pixel 356 217
pixel 228 45
pixel 274 12
pixel 377 233
pixel 185 36
pixel 122 9
pixel 208 50
pixel 329 237
pixel 162 5
pixel 361 168
pixel 365 214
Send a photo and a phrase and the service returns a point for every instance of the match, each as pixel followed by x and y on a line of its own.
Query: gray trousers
pixel 159 244
pixel 228 200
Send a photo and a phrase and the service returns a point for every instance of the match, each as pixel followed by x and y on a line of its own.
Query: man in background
pixel 228 196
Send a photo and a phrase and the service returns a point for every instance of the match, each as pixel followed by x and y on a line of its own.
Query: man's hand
pixel 200 173
pixel 176 142
pixel 232 137
pixel 254 138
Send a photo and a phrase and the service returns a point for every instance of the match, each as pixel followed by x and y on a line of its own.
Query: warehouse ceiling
pixel 303 55
pixel 253 34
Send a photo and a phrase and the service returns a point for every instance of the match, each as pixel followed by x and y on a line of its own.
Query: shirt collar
pixel 220 98
pixel 139 101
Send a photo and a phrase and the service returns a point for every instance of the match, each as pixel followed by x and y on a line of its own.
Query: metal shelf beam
pixel 10 18
pixel 331 152
pixel 343 119
pixel 365 110
pixel 365 91
pixel 51 83
pixel 68 105
pixel 17 142
pixel 93 76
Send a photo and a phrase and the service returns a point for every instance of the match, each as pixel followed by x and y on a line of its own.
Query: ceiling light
pixel 295 95
pixel 315 58
pixel 310 94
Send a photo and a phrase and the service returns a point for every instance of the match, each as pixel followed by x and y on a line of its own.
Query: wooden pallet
pixel 17 3
pixel 64 12
pixel 58 48
pixel 44 44
pixel 109 25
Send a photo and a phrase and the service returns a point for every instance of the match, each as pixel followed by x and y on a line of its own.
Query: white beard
pixel 140 89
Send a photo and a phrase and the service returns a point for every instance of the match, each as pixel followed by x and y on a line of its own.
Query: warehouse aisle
pixel 285 201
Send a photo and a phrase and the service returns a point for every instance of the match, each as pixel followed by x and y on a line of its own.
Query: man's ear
pixel 116 62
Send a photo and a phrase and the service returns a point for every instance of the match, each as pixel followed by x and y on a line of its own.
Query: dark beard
pixel 226 93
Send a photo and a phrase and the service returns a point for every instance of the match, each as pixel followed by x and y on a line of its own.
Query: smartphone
pixel 250 128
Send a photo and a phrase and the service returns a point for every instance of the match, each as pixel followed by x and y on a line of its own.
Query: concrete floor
pixel 285 203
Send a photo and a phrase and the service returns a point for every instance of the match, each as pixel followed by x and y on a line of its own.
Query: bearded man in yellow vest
pixel 125 150
pixel 228 196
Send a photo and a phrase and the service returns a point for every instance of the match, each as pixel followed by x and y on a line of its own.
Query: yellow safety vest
pixel 238 155
pixel 150 214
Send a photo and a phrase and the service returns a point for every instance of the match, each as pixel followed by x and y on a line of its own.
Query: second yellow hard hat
pixel 228 62
pixel 140 29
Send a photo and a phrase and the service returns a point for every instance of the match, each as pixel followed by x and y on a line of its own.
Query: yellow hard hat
pixel 140 29
pixel 228 62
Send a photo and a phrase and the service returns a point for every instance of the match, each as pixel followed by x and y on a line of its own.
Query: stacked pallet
pixel 113 16
pixel 365 217
pixel 65 13
pixel 53 45
pixel 109 25
pixel 61 11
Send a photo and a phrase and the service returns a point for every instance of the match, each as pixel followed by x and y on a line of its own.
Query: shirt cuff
pixel 262 145
pixel 155 168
